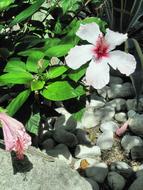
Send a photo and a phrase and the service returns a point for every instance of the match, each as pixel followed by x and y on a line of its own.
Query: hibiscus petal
pixel 89 32
pixel 79 55
pixel 114 38
pixel 122 61
pixel 97 74
pixel 8 138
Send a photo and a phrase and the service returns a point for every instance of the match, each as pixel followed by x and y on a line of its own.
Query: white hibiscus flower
pixel 101 55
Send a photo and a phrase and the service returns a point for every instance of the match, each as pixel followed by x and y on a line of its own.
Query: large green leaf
pixel 4 4
pixel 27 12
pixel 37 85
pixel 59 50
pixel 75 75
pixel 17 102
pixel 28 52
pixel 50 42
pixel 32 61
pixel 33 123
pixel 61 90
pixel 16 78
pixel 15 65
pixel 54 72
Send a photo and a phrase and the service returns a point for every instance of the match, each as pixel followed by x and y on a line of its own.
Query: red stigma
pixel 101 49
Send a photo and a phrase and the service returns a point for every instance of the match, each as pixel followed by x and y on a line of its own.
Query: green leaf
pixel 61 90
pixel 27 12
pixel 33 124
pixel 4 4
pixel 78 115
pixel 54 72
pixel 1 27
pixel 16 78
pixel 58 51
pixel 50 42
pixel 37 85
pixel 15 65
pixel 3 110
pixel 69 5
pixel 27 52
pixel 75 75
pixel 32 61
pixel 79 91
pixel 17 102
pixel 58 28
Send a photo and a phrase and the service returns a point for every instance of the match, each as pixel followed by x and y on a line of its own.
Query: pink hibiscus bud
pixel 15 137
pixel 120 131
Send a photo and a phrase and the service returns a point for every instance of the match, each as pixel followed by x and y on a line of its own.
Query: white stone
pixel 103 92
pixel 118 103
pixel 128 142
pixel 105 140
pixel 132 105
pixel 88 119
pixel 131 113
pixel 104 114
pixel 120 117
pixel 109 126
pixel 63 111
pixel 96 101
pixel 82 151
pixel 120 91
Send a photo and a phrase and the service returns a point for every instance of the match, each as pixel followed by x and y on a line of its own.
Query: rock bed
pixel 91 145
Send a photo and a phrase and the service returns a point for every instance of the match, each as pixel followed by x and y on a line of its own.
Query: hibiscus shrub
pixel 53 51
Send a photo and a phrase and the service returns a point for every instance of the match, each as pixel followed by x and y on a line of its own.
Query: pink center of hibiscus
pixel 19 149
pixel 101 49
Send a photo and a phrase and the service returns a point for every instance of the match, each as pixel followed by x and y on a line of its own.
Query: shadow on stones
pixel 20 166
